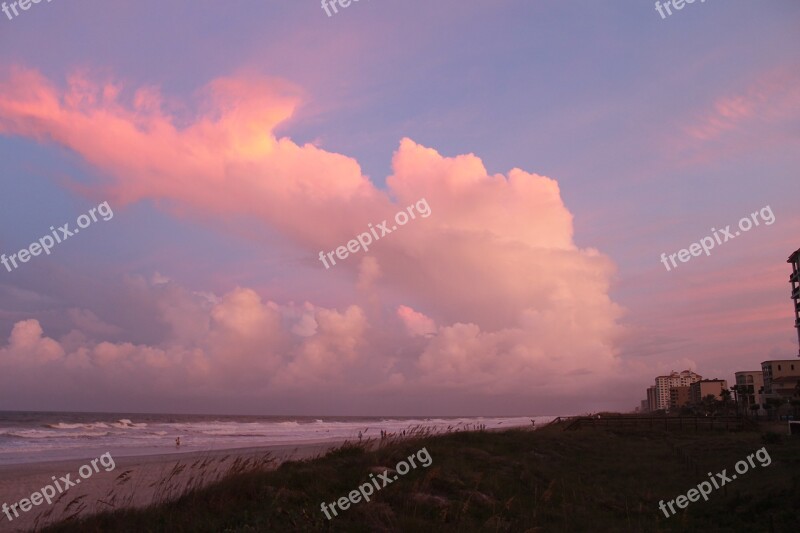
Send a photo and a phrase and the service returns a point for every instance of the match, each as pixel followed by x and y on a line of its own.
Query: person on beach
pixel 359 436
pixel 178 442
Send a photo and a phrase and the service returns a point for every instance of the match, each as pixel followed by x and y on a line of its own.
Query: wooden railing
pixel 559 419
pixel 695 423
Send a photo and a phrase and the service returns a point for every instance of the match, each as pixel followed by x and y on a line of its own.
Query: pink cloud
pixel 757 113
pixel 27 345
pixel 509 299
pixel 227 161
pixel 88 322
pixel 416 323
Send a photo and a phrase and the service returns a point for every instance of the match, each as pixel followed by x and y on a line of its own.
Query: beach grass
pixel 513 480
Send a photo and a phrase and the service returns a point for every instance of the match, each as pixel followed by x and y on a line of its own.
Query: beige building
pixel 675 379
pixel 750 384
pixel 780 377
pixel 679 396
pixel 704 387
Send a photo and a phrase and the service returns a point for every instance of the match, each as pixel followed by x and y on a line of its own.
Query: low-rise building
pixel 749 385
pixel 679 396
pixel 704 387
pixel 780 377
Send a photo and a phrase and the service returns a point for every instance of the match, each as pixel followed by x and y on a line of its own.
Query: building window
pixel 779 367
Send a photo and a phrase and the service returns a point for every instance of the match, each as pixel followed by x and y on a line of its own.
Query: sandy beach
pixel 135 481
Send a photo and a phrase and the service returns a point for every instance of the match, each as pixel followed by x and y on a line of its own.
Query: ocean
pixel 32 437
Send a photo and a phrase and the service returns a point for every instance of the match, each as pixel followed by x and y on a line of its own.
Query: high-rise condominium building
pixel 652 399
pixel 675 379
pixel 794 279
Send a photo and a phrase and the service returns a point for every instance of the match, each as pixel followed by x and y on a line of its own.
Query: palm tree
pixel 708 404
pixel 736 392
pixel 725 394
pixel 774 403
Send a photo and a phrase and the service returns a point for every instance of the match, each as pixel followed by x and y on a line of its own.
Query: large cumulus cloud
pixel 488 294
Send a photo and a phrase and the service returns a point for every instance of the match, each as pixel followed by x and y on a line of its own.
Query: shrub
pixel 770 437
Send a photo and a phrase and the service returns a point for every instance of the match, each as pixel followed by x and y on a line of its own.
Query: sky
pixel 550 151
